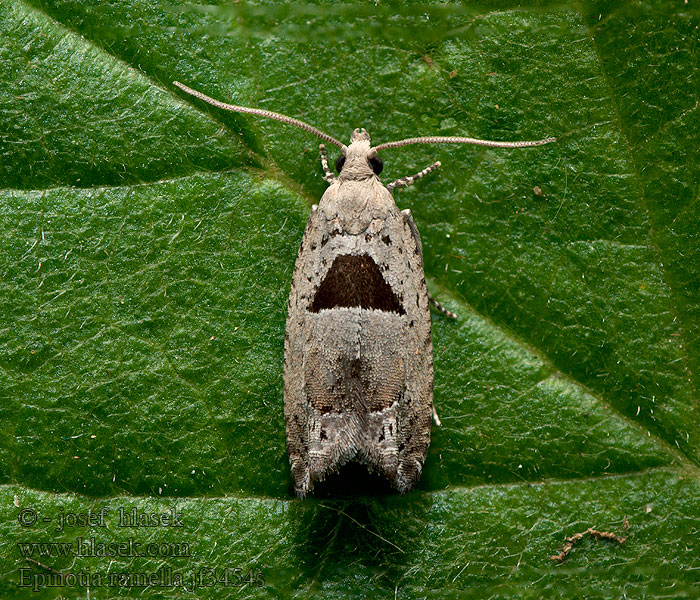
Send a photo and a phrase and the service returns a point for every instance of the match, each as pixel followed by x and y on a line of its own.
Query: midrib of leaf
pixel 673 295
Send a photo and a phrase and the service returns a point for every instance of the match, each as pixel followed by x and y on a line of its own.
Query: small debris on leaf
pixel 599 535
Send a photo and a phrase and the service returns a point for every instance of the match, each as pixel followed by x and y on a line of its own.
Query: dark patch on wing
pixel 355 281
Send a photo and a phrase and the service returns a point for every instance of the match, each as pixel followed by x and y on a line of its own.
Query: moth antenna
pixel 262 113
pixel 462 140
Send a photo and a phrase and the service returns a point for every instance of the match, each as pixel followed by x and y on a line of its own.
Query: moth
pixel 358 356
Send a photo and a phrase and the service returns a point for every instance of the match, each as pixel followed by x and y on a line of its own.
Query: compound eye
pixel 339 162
pixel 377 165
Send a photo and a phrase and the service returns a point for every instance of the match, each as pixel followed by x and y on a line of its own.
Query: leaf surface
pixel 148 245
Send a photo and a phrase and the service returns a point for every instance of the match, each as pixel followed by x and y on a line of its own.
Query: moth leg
pixel 408 217
pixel 404 181
pixel 327 175
pixel 442 309
pixel 437 420
pixel 414 230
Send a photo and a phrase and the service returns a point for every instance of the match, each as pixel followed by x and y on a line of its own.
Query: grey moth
pixel 358 359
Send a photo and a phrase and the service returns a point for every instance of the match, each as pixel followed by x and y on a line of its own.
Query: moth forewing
pixel 358 353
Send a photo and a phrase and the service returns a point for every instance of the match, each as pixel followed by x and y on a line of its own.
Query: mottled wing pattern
pixel 358 352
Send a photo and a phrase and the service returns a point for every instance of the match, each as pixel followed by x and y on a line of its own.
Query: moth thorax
pixel 356 166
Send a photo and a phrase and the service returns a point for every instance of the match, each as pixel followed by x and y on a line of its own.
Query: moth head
pixel 359 160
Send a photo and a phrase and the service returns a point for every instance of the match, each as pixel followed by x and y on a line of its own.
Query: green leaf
pixel 148 242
